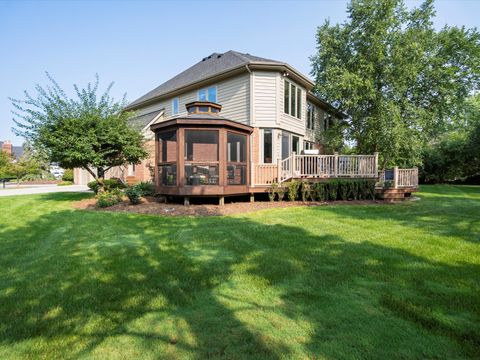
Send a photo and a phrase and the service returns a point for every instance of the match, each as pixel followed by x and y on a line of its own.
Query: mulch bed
pixel 154 206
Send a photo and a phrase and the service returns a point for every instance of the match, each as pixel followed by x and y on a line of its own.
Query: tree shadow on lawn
pixel 95 284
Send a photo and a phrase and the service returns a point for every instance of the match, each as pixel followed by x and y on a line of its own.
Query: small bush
pixel 93 185
pixel 106 199
pixel 280 193
pixel 343 189
pixel 293 187
pixel 134 193
pixel 272 192
pixel 108 185
pixel 146 188
pixel 68 175
pixel 332 187
pixel 307 192
pixel 319 190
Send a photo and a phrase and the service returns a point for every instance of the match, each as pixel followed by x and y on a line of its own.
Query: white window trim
pixel 296 99
pixel 173 101
pixel 262 145
pixel 206 92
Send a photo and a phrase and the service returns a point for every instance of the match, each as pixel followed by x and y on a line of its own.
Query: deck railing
pixel 327 166
pixel 399 178
pixel 317 166
pixel 265 174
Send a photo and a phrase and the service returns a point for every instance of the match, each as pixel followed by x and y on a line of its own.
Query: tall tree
pixel 400 81
pixel 89 131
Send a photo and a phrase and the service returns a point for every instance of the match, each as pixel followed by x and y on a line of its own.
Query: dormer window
pixel 203 107
pixel 208 94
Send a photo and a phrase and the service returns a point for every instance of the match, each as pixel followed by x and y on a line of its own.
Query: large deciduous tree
pixel 89 131
pixel 400 80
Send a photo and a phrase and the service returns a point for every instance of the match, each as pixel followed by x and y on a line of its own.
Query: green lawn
pixel 372 281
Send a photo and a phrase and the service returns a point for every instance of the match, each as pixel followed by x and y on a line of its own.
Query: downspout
pixel 252 122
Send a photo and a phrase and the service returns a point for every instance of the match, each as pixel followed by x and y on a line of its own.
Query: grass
pixel 333 282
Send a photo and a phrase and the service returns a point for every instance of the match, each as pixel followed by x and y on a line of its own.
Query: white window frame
pixel 206 93
pixel 173 106
pixel 293 99
pixel 262 146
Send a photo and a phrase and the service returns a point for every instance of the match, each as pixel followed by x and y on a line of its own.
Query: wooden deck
pixel 394 183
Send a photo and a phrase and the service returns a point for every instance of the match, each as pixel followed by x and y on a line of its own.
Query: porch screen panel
pixel 236 159
pixel 201 157
pixel 167 156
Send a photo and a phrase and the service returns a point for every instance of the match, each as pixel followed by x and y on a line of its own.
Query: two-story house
pixel 271 97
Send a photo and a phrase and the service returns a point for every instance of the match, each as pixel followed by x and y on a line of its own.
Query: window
pixel 201 157
pixel 295 144
pixel 310 117
pixel 208 94
pixel 285 144
pixel 292 99
pixel 167 158
pixel 236 159
pixel 175 106
pixel 308 145
pixel 267 146
pixel 327 118
pixel 299 103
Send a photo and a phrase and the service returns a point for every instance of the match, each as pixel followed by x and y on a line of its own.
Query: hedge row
pixel 330 190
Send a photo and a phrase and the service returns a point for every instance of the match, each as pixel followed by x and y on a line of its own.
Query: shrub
pixel 134 193
pixel 108 185
pixel 109 198
pixel 343 189
pixel 272 191
pixel 146 188
pixel 68 175
pixel 293 187
pixel 332 187
pixel 307 192
pixel 280 193
pixel 320 191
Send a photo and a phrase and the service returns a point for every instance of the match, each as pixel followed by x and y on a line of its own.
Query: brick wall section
pixel 142 170
pixel 255 139
pixel 7 147
pixel 255 148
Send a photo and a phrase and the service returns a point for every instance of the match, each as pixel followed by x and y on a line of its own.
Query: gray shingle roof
pixel 139 122
pixel 209 66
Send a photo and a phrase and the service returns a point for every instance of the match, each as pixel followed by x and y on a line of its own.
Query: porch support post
pixel 395 177
pixel 252 198
pixel 279 170
pixel 376 163
pixel 221 200
pixel 335 164
pixel 294 165
pixel 186 200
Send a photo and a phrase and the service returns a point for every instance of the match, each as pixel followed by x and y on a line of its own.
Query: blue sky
pixel 139 44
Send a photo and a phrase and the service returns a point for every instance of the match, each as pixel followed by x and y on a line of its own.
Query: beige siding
pixel 234 96
pixel 311 135
pixel 265 99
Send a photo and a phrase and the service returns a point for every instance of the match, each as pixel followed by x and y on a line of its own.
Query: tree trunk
pixel 98 179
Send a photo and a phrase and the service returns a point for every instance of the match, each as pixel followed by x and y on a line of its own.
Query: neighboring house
pixel 234 123
pixel 15 151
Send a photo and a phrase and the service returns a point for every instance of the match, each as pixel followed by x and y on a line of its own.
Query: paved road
pixel 40 189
